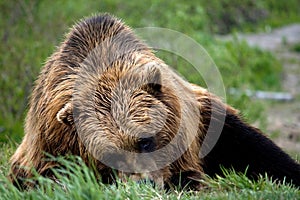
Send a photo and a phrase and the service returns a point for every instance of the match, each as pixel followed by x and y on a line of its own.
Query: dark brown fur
pixel 78 107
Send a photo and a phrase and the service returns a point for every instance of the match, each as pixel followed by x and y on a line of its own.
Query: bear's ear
pixel 153 81
pixel 65 115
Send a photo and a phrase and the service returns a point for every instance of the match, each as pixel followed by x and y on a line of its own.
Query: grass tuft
pixel 76 181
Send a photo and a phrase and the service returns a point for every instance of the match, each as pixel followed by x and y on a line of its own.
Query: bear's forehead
pixel 132 111
pixel 138 109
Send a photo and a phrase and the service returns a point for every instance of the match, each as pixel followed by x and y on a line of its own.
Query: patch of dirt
pixel 283 117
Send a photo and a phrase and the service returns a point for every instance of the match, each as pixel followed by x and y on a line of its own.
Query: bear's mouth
pixel 143 178
pixel 127 167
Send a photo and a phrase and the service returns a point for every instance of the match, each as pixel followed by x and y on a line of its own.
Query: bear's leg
pixel 241 146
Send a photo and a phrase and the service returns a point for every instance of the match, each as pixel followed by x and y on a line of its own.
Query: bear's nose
pixel 147 145
pixel 146 181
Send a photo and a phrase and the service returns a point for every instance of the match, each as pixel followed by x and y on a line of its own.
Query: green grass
pixel 76 181
pixel 225 16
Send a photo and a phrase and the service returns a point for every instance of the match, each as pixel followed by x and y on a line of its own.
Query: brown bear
pixel 104 96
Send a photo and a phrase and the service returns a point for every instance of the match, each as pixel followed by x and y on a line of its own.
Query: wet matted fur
pixel 104 92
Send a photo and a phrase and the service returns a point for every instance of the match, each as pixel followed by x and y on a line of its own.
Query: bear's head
pixel 135 122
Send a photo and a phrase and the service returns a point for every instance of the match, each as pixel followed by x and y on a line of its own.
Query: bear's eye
pixel 146 144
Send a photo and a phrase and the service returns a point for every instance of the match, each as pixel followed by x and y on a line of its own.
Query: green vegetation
pixel 30 30
pixel 296 47
pixel 78 182
pixel 250 15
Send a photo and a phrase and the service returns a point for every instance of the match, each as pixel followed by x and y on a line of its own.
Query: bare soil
pixel 283 118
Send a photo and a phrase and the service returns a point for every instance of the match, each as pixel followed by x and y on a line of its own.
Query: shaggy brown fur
pixel 104 92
